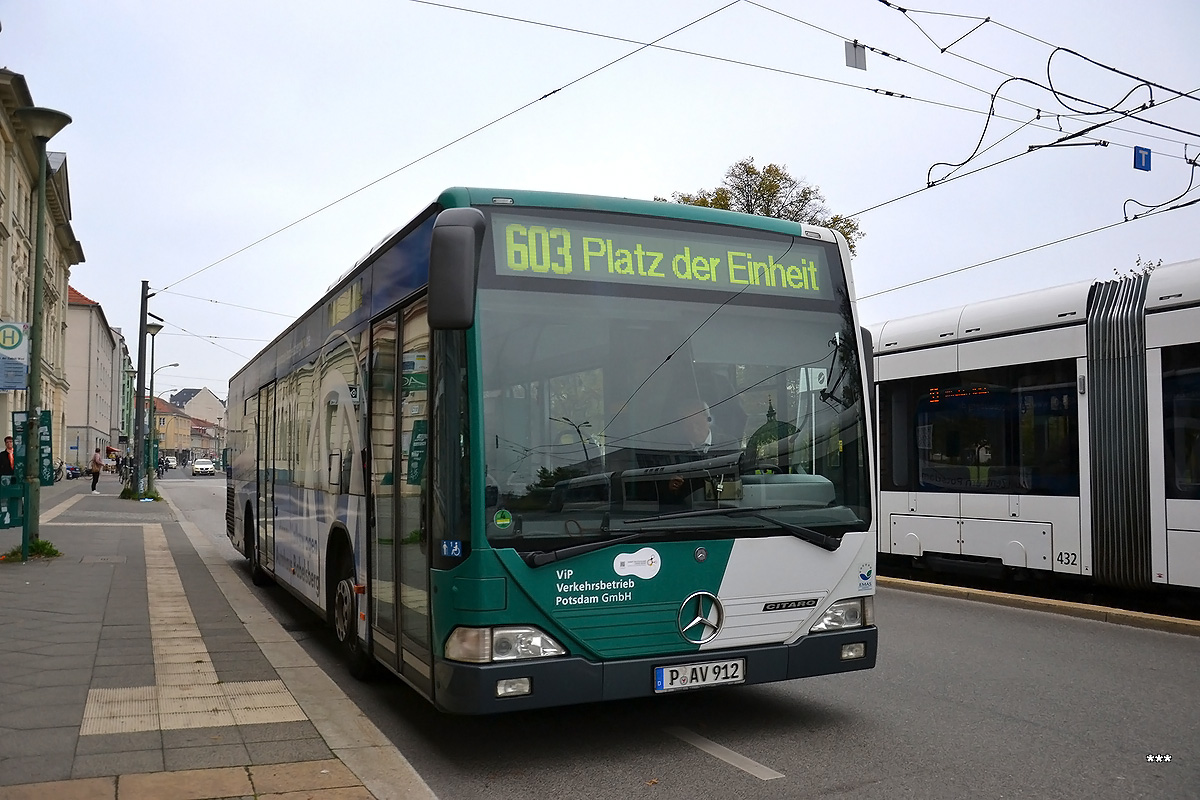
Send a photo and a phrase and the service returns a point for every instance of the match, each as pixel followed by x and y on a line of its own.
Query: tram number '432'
pixel 1067 559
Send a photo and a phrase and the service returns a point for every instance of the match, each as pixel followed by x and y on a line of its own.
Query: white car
pixel 203 466
pixel 172 462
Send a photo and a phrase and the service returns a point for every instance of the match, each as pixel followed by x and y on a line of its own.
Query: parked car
pixel 64 470
pixel 203 466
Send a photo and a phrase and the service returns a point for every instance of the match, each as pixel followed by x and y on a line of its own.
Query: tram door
pixel 265 461
pixel 399 563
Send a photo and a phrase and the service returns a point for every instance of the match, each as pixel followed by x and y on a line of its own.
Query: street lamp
pixel 43 124
pixel 131 431
pixel 145 447
pixel 577 427
pixel 153 329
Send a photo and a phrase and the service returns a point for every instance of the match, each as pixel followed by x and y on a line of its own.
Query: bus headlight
pixel 510 643
pixel 853 613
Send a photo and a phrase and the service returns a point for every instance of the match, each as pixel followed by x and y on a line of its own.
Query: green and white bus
pixel 538 449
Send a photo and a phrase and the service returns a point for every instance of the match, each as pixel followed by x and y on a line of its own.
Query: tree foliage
pixel 771 192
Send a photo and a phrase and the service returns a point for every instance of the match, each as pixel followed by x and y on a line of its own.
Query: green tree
pixel 771 192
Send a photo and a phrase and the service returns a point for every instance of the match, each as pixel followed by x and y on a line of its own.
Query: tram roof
pixel 1169 286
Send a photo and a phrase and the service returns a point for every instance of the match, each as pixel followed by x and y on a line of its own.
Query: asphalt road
pixel 968 700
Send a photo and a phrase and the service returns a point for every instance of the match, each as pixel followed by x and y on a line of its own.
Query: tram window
pixel 1007 430
pixel 1181 420
pixel 895 436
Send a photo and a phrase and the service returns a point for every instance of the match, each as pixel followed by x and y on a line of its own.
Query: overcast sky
pixel 200 128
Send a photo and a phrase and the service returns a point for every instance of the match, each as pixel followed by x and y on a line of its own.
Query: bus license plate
pixel 692 676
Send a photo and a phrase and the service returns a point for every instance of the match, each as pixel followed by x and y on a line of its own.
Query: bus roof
pixel 459 196
pixel 463 196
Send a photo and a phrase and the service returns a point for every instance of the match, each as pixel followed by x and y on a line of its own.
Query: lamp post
pixel 131 432
pixel 151 328
pixel 220 452
pixel 43 124
pixel 577 427
pixel 153 417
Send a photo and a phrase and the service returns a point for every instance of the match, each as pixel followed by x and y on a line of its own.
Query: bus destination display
pixel 596 251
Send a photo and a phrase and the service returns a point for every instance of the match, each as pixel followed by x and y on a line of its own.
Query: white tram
pixel 1056 431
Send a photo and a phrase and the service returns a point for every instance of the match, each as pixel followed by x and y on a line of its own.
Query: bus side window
pixel 335 469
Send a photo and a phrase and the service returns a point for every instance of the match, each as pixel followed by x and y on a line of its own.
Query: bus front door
pixel 399 563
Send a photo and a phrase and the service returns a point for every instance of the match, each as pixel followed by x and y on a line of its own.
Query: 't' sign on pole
pixel 1141 158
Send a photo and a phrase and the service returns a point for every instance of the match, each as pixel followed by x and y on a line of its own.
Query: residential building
pixel 18 231
pixel 205 440
pixel 93 372
pixel 173 427
pixel 124 386
pixel 210 415
pixel 200 403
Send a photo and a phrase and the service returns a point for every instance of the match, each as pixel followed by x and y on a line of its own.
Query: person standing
pixel 8 462
pixel 97 463
pixel 8 459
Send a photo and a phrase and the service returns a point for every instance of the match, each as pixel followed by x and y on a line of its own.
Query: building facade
pixel 92 370
pixel 124 388
pixel 173 427
pixel 18 232
pixel 209 414
pixel 201 404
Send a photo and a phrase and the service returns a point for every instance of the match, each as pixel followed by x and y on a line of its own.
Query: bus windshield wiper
pixel 540 558
pixel 822 540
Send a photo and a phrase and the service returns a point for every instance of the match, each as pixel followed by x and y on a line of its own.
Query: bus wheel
pixel 345 626
pixel 258 575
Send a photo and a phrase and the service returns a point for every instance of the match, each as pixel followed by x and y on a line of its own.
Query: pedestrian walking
pixel 97 464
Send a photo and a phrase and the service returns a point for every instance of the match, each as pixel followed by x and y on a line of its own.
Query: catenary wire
pixel 944 76
pixel 641 46
pixel 223 303
pixel 214 336
pixel 929 278
pixel 453 142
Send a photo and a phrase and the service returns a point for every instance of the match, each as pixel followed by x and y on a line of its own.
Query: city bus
pixel 537 449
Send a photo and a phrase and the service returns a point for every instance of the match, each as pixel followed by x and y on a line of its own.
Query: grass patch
pixel 41 548
pixel 129 494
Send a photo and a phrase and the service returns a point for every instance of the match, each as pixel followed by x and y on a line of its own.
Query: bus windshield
pixel 611 405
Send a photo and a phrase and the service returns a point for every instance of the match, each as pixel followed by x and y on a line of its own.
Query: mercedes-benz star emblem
pixel 701 617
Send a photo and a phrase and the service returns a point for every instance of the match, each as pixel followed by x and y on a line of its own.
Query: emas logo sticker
pixel 642 564
pixel 866 577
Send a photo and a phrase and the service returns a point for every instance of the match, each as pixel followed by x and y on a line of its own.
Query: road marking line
pixel 46 516
pixel 725 754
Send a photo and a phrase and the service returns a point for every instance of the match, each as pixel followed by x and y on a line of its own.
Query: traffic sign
pixel 1141 158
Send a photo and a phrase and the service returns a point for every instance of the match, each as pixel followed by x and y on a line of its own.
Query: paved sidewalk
pixel 139 665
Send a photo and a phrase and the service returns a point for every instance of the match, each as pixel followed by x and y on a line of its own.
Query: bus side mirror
pixel 454 268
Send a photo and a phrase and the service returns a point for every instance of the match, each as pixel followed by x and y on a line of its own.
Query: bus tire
pixel 258 575
pixel 345 624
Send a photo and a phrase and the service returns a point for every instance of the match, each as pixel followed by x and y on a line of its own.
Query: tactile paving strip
pixel 187 693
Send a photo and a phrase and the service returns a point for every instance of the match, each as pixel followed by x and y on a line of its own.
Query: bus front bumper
pixel 462 688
